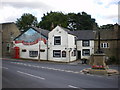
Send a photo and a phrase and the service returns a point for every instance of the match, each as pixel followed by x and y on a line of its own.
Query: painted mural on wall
pixel 30 37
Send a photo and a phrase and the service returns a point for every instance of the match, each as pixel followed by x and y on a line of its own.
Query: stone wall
pixel 0 41
pixel 112 37
pixel 9 32
pixel 111 50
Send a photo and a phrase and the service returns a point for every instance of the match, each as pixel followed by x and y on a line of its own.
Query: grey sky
pixel 104 11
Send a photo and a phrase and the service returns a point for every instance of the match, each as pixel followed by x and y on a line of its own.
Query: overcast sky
pixel 104 11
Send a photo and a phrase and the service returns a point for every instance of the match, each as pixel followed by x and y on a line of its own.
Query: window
pixel 86 52
pixel 57 40
pixel 33 53
pixel 63 53
pixel 104 45
pixel 42 50
pixel 74 52
pixel 23 50
pixel 85 43
pixel 8 47
pixel 57 53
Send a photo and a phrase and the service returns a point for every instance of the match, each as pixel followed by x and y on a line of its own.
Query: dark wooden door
pixel 79 55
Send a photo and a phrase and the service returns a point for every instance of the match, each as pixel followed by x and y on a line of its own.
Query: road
pixel 31 74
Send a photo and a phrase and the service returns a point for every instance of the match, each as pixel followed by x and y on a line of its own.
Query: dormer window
pixel 57 40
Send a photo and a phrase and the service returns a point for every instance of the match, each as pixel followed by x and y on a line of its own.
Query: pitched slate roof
pixel 81 34
pixel 84 34
pixel 39 30
pixel 42 31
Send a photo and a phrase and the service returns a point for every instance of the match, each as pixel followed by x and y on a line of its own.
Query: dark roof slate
pixel 42 31
pixel 82 34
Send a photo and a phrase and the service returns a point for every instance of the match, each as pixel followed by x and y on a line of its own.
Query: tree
pixel 56 18
pixel 108 26
pixel 81 21
pixel 25 21
pixel 71 21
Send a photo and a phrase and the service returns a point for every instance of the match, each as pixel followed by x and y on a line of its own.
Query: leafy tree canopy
pixel 56 18
pixel 71 21
pixel 108 26
pixel 25 21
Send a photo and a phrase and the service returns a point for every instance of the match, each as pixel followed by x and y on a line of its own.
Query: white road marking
pixel 82 73
pixel 69 71
pixel 75 72
pixel 4 67
pixel 43 67
pixel 50 68
pixel 35 66
pixel 71 86
pixel 25 64
pixel 29 65
pixel 90 74
pixel 31 75
pixel 61 70
pixel 54 69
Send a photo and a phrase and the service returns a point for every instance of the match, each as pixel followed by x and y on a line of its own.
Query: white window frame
pixel 85 43
pixel 104 45
pixel 63 53
pixel 57 38
pixel 33 53
pixel 57 53
pixel 85 51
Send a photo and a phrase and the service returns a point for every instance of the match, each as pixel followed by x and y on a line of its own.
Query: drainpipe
pixel 69 56
pixel 76 48
pixel 69 53
pixel 39 44
pixel 39 51
pixel 47 50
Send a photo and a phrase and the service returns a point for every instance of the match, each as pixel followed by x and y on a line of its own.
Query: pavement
pixel 31 74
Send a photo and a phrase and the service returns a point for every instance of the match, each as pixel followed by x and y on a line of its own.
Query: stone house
pixel 8 32
pixel 109 42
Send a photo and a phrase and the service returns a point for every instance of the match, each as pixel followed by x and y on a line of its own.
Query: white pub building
pixel 60 44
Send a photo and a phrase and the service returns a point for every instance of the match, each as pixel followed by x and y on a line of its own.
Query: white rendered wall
pixel 67 42
pixel 80 48
pixel 34 47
